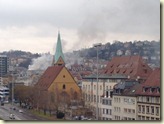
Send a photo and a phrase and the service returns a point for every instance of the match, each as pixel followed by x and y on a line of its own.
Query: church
pixel 58 79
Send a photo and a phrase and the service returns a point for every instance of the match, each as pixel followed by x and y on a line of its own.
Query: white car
pixel 12 116
pixel 20 111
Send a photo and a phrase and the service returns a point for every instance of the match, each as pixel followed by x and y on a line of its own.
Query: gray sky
pixel 32 25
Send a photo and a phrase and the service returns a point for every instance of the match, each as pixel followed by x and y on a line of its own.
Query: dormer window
pixel 145 70
pixel 152 90
pixel 118 71
pixel 131 71
pixel 158 90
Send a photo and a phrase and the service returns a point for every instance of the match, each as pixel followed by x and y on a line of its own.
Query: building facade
pixel 149 98
pixel 106 106
pixel 138 102
pixel 94 92
pixel 124 103
pixel 4 65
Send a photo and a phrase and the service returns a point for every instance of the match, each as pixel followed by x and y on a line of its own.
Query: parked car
pixel 12 116
pixel 2 103
pixel 13 108
pixel 20 111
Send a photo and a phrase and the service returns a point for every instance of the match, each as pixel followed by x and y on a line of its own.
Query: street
pixel 25 115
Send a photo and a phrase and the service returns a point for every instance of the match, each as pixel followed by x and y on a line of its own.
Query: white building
pixel 4 93
pixel 124 103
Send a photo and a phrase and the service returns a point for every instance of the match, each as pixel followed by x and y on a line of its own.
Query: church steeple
pixel 59 56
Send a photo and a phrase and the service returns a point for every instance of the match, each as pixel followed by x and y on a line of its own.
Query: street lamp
pixel 97 46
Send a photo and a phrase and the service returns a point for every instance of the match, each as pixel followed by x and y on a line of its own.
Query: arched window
pixel 64 86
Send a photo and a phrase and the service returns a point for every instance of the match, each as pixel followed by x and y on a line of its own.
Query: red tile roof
pixel 153 81
pixel 129 65
pixel 154 78
pixel 49 76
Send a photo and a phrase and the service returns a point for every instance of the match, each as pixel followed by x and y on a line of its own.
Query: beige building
pixel 106 106
pixel 89 90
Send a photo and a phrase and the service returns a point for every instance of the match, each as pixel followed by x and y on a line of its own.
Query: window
pixel 110 111
pixel 100 87
pixel 83 86
pixel 106 87
pixel 158 90
pixel 103 101
pixel 109 102
pixel 143 109
pixel 103 111
pixel 157 111
pixel 63 76
pixel 125 110
pixel 106 111
pixel 143 117
pixel 139 117
pixel 91 98
pixel 64 87
pixel 94 87
pixel 145 70
pixel 147 99
pixel 147 109
pixel 129 110
pixel 147 118
pixel 140 99
pixel 94 98
pixel 157 99
pixel 125 118
pixel 152 110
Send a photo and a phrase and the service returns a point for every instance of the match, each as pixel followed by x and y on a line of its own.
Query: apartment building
pixel 137 101
pixel 149 98
pixel 4 65
pixel 124 103
pixel 90 91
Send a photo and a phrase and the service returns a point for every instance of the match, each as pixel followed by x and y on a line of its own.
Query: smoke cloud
pixel 41 63
pixel 72 58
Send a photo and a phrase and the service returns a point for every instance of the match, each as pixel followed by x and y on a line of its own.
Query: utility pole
pixel 97 111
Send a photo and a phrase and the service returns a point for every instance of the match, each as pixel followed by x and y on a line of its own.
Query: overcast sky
pixel 32 25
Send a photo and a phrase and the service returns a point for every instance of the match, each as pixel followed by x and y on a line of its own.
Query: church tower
pixel 58 58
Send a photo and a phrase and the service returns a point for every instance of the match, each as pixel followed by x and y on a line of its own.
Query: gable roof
pixel 153 81
pixel 132 66
pixel 49 76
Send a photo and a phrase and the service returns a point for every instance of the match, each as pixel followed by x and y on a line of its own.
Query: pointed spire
pixel 59 53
